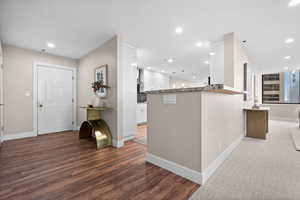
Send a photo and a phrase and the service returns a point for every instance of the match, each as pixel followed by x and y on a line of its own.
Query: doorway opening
pixel 141 136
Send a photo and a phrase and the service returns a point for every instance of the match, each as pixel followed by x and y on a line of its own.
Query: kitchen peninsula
pixel 191 131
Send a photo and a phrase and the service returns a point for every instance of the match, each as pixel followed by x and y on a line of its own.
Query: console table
pixel 257 122
pixel 95 127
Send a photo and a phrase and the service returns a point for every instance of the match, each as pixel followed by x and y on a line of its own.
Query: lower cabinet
pixel 141 113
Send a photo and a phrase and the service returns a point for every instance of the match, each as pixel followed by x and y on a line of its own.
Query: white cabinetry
pixel 141 113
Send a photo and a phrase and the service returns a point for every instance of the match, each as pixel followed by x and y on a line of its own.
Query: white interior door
pixel 54 100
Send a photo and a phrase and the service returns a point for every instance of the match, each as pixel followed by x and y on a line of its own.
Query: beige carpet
pixel 258 170
pixel 296 137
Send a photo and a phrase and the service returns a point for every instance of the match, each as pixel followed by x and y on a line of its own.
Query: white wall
pixel 121 96
pixel 155 81
pixel 216 109
pixel 128 89
pixel 18 80
pixel 179 83
pixel 285 112
pixel 227 65
pixel 106 54
pixel 217 63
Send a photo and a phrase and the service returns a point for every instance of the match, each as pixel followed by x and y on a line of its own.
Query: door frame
pixel 35 92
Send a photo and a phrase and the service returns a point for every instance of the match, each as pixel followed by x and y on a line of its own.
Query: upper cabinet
pixel 155 81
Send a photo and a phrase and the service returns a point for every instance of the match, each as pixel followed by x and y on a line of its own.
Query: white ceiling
pixel 76 27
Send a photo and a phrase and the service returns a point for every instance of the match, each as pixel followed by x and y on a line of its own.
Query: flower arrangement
pixel 98 85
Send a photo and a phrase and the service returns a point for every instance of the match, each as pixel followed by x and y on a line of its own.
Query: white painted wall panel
pixel 128 56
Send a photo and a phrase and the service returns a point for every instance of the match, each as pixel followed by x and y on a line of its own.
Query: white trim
pixel 35 79
pixel 129 137
pixel 117 143
pixel 18 136
pixel 180 170
pixel 220 159
pixel 190 174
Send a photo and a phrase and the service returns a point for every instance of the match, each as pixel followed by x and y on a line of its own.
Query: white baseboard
pixel 142 123
pixel 117 143
pixel 127 138
pixel 188 173
pixel 220 159
pixel 283 119
pixel 180 170
pixel 18 136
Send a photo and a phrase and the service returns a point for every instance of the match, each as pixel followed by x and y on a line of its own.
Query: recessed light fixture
pixel 178 30
pixel 285 68
pixel 170 60
pixel 294 3
pixel 287 57
pixel 194 77
pixel 212 53
pixel 50 45
pixel 134 64
pixel 206 62
pixel 199 44
pixel 162 71
pixel 289 40
pixel 149 68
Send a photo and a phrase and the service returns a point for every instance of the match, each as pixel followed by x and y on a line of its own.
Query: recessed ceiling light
pixel 199 44
pixel 162 71
pixel 294 3
pixel 206 62
pixel 194 77
pixel 289 40
pixel 287 57
pixel 50 45
pixel 149 68
pixel 178 30
pixel 134 64
pixel 212 53
pixel 170 60
pixel 285 68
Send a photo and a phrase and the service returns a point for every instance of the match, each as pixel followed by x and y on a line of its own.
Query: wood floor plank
pixel 59 166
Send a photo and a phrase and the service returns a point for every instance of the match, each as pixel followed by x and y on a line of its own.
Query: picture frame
pixel 101 75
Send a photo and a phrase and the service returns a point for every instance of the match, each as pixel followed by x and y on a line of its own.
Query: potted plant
pixel 98 86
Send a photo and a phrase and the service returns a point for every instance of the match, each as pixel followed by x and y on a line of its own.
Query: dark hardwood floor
pixel 59 166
